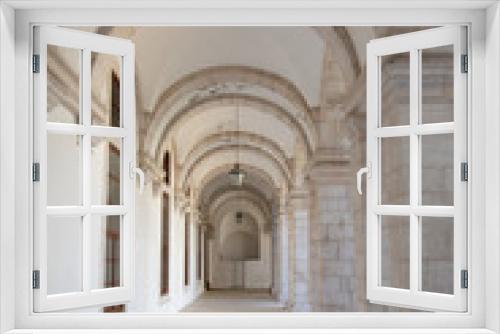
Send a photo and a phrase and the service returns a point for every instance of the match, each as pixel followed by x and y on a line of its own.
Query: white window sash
pixel 411 43
pixel 88 43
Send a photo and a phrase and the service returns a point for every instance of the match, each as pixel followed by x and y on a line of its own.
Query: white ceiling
pixel 165 55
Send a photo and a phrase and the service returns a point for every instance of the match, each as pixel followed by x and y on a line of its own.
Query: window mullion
pixel 87 163
pixel 414 169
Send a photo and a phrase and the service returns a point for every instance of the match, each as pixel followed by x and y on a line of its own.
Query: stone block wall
pixel 333 238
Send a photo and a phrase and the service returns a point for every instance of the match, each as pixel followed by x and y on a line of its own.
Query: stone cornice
pixel 329 164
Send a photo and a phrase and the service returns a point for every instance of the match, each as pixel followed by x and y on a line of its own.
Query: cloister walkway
pixel 235 301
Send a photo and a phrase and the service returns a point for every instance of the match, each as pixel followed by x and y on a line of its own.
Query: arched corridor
pixel 250 140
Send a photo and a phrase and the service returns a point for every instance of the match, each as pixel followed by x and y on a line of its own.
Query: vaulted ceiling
pixel 214 96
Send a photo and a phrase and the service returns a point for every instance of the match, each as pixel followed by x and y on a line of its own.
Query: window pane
pixel 64 169
pixel 106 249
pixel 437 84
pixel 437 254
pixel 395 90
pixel 63 84
pixel 106 171
pixel 437 169
pixel 105 89
pixel 64 254
pixel 395 251
pixel 395 170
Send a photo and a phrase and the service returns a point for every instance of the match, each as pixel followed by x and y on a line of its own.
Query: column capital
pixel 197 216
pixel 151 168
pixel 182 201
pixel 299 198
pixel 327 165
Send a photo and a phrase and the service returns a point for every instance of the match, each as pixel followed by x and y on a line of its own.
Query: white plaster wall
pixel 147 296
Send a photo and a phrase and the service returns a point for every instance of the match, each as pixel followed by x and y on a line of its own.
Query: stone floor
pixel 235 301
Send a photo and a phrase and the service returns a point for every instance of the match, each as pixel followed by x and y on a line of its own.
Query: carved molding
pixel 281 166
pixel 214 81
pixel 304 127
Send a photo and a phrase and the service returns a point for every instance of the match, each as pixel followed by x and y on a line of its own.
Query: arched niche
pixel 241 238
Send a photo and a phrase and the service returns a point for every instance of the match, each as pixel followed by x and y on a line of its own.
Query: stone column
pixel 283 253
pixel 333 240
pixel 299 259
pixel 334 268
pixel 276 257
pixel 209 257
pixel 196 229
pixel 203 228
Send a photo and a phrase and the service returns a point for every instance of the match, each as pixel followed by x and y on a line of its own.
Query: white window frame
pixel 87 43
pixel 483 17
pixel 412 44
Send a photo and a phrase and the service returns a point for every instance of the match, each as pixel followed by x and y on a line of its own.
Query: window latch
pixel 133 170
pixel 365 170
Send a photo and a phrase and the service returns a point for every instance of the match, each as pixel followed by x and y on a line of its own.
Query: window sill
pixel 251 331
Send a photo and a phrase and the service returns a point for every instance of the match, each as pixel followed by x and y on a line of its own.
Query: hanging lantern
pixel 237 175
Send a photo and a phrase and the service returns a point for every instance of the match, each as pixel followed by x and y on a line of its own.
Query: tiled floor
pixel 235 301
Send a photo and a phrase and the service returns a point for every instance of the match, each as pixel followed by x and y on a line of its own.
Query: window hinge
pixel 464 171
pixel 36 279
pixel 465 64
pixel 464 279
pixel 36 172
pixel 36 64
